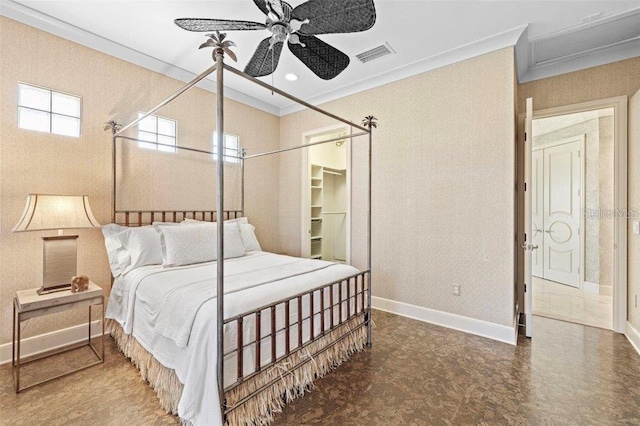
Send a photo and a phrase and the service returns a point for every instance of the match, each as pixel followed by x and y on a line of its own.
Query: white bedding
pixel 172 314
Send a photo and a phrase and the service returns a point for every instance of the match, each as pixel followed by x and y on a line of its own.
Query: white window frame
pixel 237 151
pixel 153 144
pixel 50 111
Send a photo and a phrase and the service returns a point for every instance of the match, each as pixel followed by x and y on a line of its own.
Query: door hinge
pixel 525 237
pixel 525 136
pixel 525 288
pixel 525 187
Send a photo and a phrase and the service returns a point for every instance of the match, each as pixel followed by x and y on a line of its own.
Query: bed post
pixel 114 127
pixel 243 153
pixel 370 123
pixel 219 56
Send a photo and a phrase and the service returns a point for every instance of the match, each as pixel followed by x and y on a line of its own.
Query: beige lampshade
pixel 48 212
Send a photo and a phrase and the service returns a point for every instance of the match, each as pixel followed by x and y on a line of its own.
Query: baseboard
pixel 481 328
pixel 592 288
pixel 633 336
pixel 49 341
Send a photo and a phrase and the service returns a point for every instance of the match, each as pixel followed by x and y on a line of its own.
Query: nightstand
pixel 29 304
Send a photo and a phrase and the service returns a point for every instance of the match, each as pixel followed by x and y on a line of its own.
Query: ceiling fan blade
pixel 265 59
pixel 201 25
pixel 335 16
pixel 324 60
pixel 262 5
pixel 277 7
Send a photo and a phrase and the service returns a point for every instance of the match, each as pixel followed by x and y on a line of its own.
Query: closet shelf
pixel 317 237
pixel 316 219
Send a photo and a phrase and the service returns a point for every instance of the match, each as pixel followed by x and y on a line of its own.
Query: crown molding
pixel 489 44
pixel 587 60
pixel 47 23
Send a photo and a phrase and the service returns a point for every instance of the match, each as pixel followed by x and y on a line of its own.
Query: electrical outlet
pixel 456 290
pixel 636 227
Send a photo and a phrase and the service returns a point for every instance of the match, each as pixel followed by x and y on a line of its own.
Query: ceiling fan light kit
pixel 298 27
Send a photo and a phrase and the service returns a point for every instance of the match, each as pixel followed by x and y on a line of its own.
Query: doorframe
pixel 619 104
pixel 305 211
pixel 583 173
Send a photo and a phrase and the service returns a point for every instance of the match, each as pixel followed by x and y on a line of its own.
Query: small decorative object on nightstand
pixel 79 283
pixel 48 212
pixel 29 304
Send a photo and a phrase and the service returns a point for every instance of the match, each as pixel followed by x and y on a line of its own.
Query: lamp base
pixel 46 290
pixel 60 259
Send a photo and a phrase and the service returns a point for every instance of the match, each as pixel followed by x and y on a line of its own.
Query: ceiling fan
pixel 298 27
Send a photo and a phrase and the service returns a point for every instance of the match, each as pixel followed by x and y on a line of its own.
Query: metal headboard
pixel 147 217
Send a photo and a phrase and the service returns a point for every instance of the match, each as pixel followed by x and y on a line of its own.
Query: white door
pixel 528 246
pixel 537 212
pixel 562 181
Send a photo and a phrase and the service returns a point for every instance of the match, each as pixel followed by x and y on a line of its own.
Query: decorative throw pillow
pixel 142 245
pixel 187 245
pixel 248 233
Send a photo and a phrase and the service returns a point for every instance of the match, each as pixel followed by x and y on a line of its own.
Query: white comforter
pixel 172 314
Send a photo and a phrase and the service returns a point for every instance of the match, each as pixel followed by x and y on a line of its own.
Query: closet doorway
pixel 326 196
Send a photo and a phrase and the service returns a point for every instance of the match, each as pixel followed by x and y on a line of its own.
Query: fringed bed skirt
pixel 295 374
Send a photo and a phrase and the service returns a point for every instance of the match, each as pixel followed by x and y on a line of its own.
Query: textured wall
pixel 443 179
pixel 111 89
pixel 606 81
pixel 633 313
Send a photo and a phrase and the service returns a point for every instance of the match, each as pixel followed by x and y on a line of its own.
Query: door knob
pixel 529 247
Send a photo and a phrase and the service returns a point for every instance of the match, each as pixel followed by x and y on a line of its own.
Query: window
pixel 157 129
pixel 44 110
pixel 231 148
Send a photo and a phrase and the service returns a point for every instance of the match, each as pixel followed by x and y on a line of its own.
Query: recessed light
pixel 291 77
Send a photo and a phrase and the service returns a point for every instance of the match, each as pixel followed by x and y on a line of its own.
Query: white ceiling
pixel 425 35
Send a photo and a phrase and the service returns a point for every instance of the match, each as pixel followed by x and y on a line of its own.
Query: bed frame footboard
pixel 292 332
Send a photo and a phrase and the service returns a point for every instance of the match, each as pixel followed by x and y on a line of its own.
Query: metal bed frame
pixel 353 301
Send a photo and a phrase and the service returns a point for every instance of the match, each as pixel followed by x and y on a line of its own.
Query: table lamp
pixel 60 252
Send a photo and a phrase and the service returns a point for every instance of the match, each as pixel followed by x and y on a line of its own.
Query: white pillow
pixel 248 233
pixel 186 245
pixel 143 246
pixel 119 259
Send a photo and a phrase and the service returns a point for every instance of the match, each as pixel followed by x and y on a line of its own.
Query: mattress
pixel 171 312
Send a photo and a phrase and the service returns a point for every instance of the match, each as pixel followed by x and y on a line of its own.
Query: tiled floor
pixel 566 303
pixel 415 374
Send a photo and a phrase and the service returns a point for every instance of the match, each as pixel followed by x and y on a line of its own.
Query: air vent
pixel 584 39
pixel 375 53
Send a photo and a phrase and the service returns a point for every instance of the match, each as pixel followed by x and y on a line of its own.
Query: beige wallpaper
pixel 605 81
pixel 443 186
pixel 633 313
pixel 110 89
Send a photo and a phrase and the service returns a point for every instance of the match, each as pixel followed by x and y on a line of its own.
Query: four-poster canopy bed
pixel 273 351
